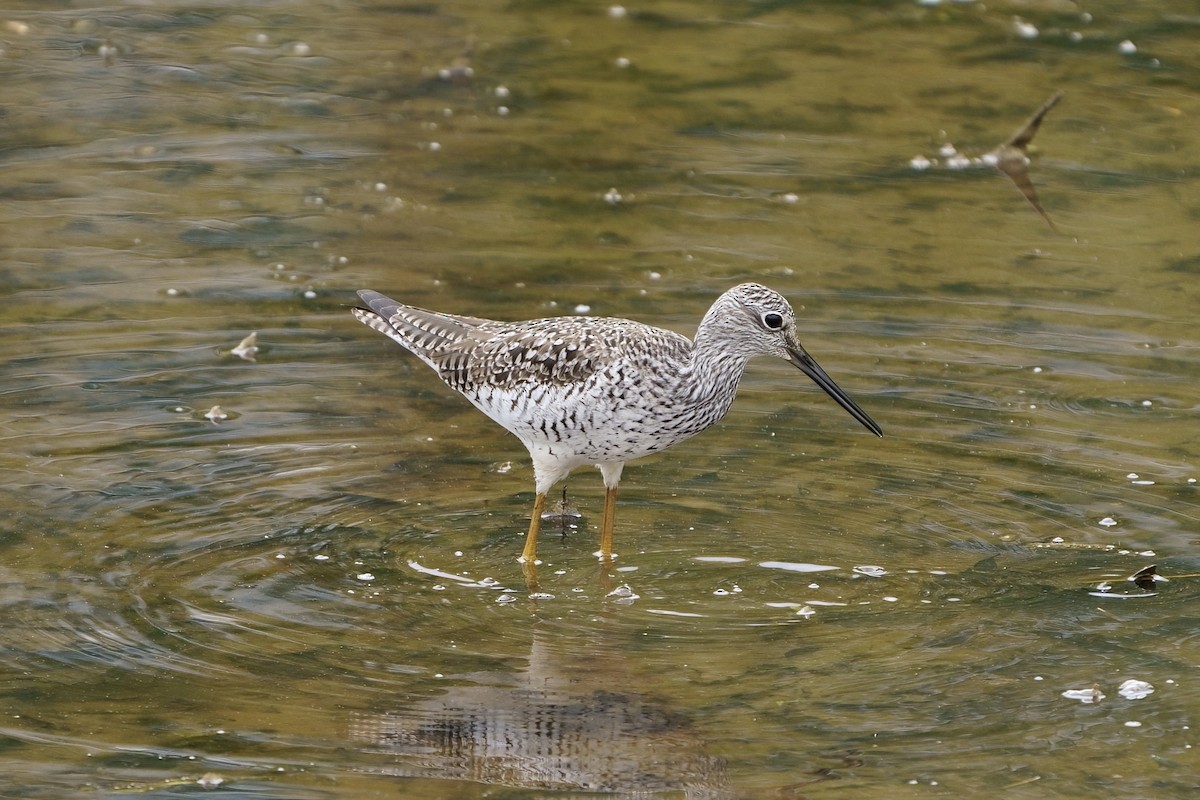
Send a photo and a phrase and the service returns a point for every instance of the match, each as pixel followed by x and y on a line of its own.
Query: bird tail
pixel 427 334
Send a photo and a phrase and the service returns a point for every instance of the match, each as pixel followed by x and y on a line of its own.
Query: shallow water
pixel 317 595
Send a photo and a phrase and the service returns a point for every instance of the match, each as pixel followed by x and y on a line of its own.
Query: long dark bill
pixel 804 362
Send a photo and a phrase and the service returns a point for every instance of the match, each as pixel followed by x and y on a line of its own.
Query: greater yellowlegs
pixel 589 390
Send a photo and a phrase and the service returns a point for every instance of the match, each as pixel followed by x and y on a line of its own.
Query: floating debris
pixel 247 349
pixel 1088 696
pixel 564 512
pixel 623 594
pixel 1146 577
pixel 1134 689
pixel 210 780
pixel 1012 157
pixel 215 415
pixel 1009 157
pixel 459 72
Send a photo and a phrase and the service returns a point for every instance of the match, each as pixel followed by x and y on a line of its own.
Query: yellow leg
pixel 606 524
pixel 529 554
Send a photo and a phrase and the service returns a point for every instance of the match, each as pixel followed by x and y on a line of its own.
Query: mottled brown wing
pixel 556 351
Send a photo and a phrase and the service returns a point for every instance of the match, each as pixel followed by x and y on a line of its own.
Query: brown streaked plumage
pixel 589 390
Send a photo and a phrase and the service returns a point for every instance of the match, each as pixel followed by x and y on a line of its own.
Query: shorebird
pixel 589 390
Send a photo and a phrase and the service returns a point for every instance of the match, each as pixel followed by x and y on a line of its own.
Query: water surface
pixel 316 594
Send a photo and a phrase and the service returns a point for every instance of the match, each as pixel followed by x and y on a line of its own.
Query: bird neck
pixel 713 374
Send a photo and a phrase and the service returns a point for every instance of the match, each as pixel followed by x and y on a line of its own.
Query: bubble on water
pixel 1127 48
pixel 1134 689
pixel 366 576
pixel 870 570
pixel 920 163
pixel 1025 30
pixel 1108 522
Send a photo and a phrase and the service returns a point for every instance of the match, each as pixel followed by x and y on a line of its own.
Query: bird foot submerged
pixel 603 391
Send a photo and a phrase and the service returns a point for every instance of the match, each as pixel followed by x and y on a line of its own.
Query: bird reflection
pixel 558 725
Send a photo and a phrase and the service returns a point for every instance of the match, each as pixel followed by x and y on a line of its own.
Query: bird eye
pixel 773 321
